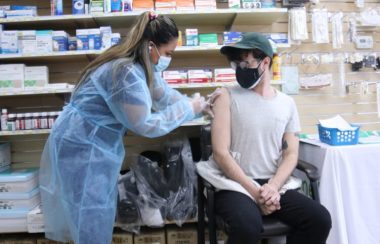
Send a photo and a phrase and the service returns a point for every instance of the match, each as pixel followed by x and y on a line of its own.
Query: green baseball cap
pixel 251 40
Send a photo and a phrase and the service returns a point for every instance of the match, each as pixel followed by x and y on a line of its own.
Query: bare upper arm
pixel 290 143
pixel 221 124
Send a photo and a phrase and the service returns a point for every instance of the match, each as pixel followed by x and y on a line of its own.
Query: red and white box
pixel 224 75
pixel 199 75
pixel 175 76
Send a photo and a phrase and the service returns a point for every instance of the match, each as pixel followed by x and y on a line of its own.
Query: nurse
pixel 120 91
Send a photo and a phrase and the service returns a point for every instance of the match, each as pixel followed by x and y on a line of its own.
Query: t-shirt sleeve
pixel 294 121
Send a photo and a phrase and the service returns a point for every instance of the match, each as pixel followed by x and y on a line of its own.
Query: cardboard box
pixel 181 236
pixel 12 76
pixel 122 238
pixel 5 159
pixel 175 76
pixel 27 41
pixel 9 42
pixel 220 236
pixel 36 76
pixel 150 237
pixel 199 76
pixel 35 220
pixel 46 241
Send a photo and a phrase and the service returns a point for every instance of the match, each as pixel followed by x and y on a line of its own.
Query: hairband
pixel 152 15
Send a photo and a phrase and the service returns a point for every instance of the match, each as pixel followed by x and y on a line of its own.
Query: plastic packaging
pixel 276 67
pixel 148 194
pixel 4 119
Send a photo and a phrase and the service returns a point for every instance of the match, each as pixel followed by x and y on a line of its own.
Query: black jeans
pixel 310 220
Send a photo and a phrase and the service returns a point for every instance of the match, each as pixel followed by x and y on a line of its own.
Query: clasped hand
pixel 269 199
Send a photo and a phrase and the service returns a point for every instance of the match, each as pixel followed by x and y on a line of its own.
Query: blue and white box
pixel 27 42
pixel 115 39
pixel 106 34
pixel 18 180
pixel 44 40
pixel 20 201
pixel 9 42
pixel 94 39
pixel 12 221
pixel 20 13
pixel 78 7
pixel 82 39
pixel 231 37
pixel 72 43
pixel 60 41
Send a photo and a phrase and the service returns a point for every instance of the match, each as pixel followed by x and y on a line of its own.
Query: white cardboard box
pixel 12 76
pixel 20 201
pixel 36 76
pixel 18 180
pixel 13 221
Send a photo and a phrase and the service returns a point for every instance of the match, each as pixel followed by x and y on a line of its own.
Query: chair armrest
pixel 310 170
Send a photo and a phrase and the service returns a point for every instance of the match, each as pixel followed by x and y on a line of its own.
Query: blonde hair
pixel 135 48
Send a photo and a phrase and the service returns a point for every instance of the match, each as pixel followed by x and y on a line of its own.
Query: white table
pixel 349 189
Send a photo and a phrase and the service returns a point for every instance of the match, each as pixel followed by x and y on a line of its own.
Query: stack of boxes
pixel 19 76
pixel 19 193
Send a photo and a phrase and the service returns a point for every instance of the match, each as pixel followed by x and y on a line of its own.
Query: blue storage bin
pixel 335 137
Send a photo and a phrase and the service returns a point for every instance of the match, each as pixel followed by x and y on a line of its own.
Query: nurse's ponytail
pixel 148 27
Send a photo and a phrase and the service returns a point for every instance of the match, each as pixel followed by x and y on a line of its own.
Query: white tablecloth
pixel 349 189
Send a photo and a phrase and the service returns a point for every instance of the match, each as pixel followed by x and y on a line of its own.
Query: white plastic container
pixel 13 221
pixel 20 201
pixel 18 180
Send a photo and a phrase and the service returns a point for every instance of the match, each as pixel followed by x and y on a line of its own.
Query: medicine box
pixel 13 221
pixel 27 42
pixel 199 75
pixel 231 37
pixel 60 41
pixel 82 39
pixel 36 76
pixel 5 156
pixel 12 76
pixel 94 39
pixel 175 76
pixel 185 5
pixel 96 6
pixel 165 5
pixel 115 39
pixel 9 42
pixel 20 201
pixel 20 13
pixel 18 180
pixel 224 75
pixel 192 37
pixel 205 4
pixel 44 40
pixel 208 40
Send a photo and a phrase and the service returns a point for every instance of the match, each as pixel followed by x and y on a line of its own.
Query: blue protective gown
pixel 82 157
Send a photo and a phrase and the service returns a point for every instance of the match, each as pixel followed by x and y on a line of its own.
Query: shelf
pixel 218 17
pixel 197 122
pixel 4 93
pixel 24 132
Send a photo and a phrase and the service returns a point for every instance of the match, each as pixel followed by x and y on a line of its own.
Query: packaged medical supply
pixel 224 75
pixel 199 76
pixel 12 76
pixel 60 41
pixel 82 39
pixel 78 7
pixel 36 76
pixel 192 37
pixel 175 76
pixel 94 39
pixel 18 180
pixel 27 42
pixel 231 37
pixel 44 39
pixel 208 40
pixel 9 42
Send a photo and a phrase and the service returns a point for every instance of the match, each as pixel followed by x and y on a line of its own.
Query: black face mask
pixel 249 77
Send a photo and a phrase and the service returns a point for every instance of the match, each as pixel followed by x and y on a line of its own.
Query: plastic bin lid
pixel 13 195
pixel 16 175
pixel 13 213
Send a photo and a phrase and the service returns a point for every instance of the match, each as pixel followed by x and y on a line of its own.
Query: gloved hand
pixel 198 103
pixel 210 102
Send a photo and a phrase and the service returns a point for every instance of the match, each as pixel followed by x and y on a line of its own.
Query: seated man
pixel 255 150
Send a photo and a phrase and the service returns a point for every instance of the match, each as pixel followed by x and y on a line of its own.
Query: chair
pixel 271 227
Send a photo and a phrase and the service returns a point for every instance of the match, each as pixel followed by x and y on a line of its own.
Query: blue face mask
pixel 163 62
